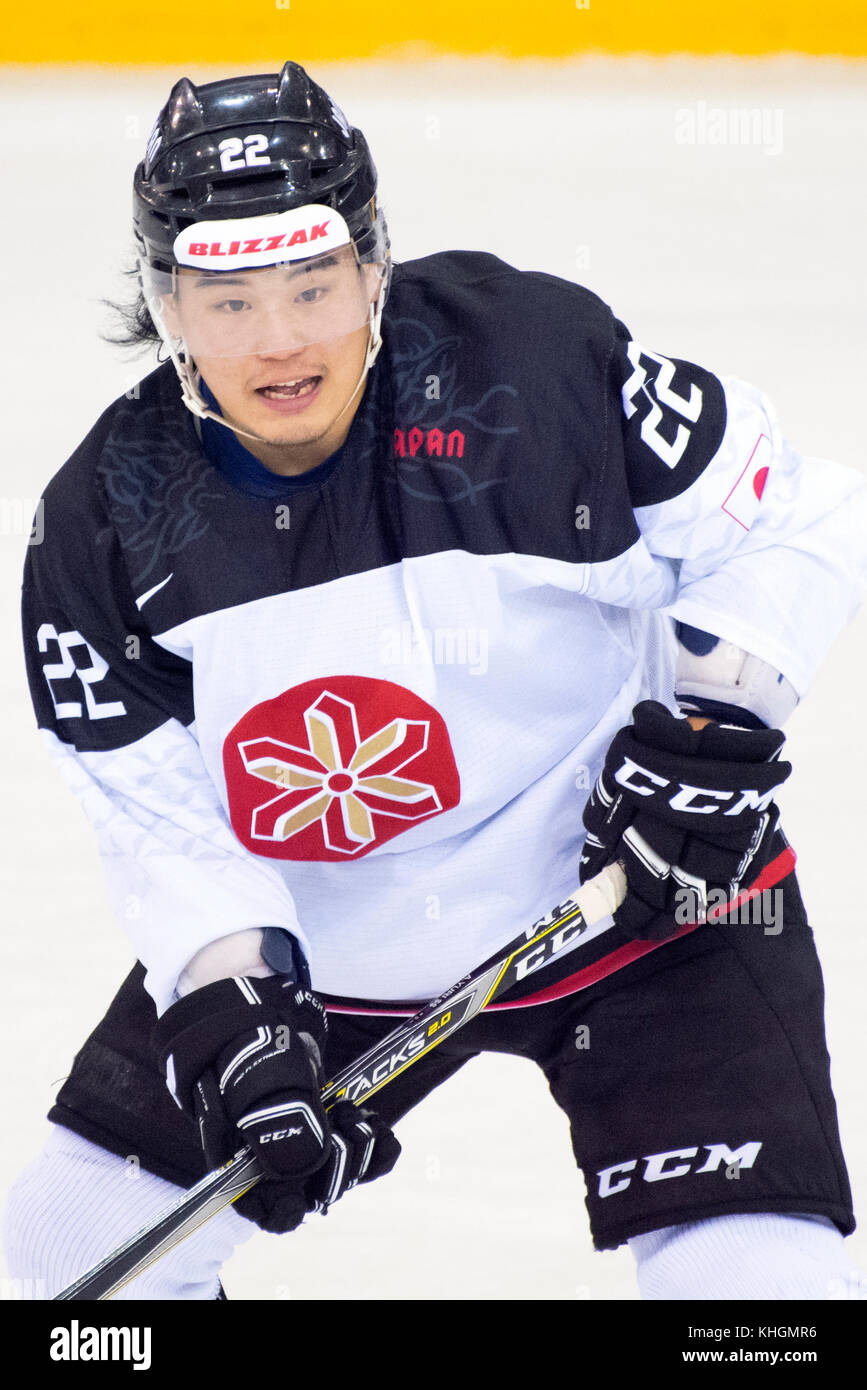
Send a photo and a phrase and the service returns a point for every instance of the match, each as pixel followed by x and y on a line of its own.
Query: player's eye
pixel 231 306
pixel 313 295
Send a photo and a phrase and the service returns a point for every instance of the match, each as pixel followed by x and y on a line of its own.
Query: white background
pixel 746 258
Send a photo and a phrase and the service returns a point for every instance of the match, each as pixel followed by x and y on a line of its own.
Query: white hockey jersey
pixel 367 704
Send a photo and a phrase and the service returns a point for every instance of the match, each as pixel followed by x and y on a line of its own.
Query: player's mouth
pixel 291 396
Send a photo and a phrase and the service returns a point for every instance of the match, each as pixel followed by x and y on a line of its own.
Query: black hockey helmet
pixel 248 146
pixel 275 160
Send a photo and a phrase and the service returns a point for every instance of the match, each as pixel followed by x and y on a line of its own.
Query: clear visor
pixel 276 308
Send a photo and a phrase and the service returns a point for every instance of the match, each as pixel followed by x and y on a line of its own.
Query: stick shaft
pixel 582 916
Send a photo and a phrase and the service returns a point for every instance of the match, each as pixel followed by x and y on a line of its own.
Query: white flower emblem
pixel 338 779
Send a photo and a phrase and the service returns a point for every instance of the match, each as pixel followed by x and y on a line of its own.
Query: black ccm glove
pixel 243 1058
pixel 687 811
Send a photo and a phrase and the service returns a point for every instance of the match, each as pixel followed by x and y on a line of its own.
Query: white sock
pixel 756 1256
pixel 76 1202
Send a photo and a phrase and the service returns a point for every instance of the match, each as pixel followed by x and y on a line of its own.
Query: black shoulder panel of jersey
pixel 97 679
pixel 674 419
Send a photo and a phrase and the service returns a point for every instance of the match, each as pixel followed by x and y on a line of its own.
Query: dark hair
pixel 133 325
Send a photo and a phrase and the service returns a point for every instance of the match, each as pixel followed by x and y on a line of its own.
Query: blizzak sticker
pixel 354 762
pixel 247 243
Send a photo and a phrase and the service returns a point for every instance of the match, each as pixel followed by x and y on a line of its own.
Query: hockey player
pixel 341 616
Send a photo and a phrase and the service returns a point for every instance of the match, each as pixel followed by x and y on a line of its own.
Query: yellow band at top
pixel 239 33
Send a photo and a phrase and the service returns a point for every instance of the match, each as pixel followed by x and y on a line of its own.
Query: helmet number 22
pixel 241 154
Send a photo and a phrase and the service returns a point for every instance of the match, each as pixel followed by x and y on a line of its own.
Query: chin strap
pixel 190 377
pixel 374 343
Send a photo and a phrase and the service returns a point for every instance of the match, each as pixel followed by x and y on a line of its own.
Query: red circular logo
pixel 334 767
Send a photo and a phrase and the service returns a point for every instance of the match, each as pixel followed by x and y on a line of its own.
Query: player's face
pixel 282 349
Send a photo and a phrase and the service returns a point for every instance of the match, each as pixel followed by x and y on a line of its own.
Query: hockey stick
pixel 535 947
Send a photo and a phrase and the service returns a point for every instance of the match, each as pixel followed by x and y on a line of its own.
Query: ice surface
pixel 746 257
